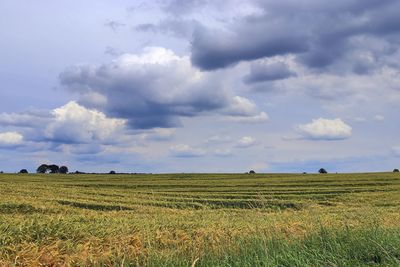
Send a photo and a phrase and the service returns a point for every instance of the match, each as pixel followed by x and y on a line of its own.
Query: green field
pixel 200 220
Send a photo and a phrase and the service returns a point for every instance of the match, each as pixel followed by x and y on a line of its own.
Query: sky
pixel 200 86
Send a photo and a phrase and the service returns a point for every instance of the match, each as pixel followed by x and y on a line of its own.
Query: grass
pixel 213 219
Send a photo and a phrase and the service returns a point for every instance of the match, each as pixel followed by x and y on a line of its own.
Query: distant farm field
pixel 200 220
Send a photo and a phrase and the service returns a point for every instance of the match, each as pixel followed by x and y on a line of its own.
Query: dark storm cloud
pixel 320 33
pixel 214 49
pixel 261 72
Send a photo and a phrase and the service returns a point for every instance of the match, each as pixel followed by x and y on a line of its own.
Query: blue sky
pixel 200 86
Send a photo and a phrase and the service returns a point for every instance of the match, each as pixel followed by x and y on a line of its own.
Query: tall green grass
pixel 345 247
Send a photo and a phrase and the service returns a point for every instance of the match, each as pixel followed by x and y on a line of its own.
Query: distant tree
pixel 251 172
pixel 23 171
pixel 63 169
pixel 53 168
pixel 42 168
pixel 111 172
pixel 322 170
pixel 304 173
pixel 1 172
pixel 396 170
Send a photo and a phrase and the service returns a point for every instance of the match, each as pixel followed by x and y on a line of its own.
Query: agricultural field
pixel 200 220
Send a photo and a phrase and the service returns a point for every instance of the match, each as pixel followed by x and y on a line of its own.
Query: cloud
pixel 73 123
pixel 243 110
pixel 68 124
pixel 246 141
pixel 258 118
pixel 154 89
pixel 264 71
pixel 25 119
pixel 214 49
pixel 319 34
pixel 186 151
pixel 241 106
pixel 10 139
pixel 325 129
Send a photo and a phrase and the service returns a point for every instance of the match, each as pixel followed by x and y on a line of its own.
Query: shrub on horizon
pixel 322 170
pixel 42 168
pixel 63 169
pixel 53 168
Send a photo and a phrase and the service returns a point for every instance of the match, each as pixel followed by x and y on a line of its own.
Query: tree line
pixel 44 168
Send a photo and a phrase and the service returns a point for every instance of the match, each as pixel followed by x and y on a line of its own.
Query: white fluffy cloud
pixel 73 123
pixel 258 118
pixel 325 129
pixel 10 139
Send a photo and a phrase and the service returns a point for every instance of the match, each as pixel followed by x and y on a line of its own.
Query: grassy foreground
pixel 200 220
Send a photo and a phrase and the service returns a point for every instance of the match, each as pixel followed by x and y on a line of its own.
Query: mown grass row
pixel 201 190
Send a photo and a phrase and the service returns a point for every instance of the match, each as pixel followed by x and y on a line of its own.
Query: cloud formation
pixel 325 129
pixel 154 89
pixel 70 128
pixel 25 119
pixel 73 123
pixel 215 49
pixel 341 30
pixel 9 139
pixel 264 71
